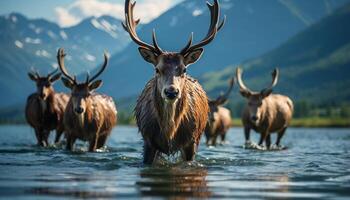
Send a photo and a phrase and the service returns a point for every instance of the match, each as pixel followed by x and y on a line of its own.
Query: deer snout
pixel 254 118
pixel 79 110
pixel 171 92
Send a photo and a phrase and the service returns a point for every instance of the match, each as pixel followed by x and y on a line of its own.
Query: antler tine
pixel 240 82
pixel 222 98
pixel 130 26
pixel 37 73
pixel 154 39
pixel 275 75
pixel 102 68
pixel 60 59
pixel 213 28
pixel 52 73
pixel 87 78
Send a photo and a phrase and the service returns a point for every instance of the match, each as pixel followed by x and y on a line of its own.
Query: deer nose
pixel 171 92
pixel 79 110
pixel 254 118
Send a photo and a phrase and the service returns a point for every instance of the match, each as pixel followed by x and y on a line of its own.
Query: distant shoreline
pixel 312 122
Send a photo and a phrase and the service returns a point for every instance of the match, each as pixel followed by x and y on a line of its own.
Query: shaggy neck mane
pixel 48 105
pixel 169 115
pixel 86 117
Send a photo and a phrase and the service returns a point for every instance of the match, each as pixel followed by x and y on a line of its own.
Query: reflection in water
pixel 174 181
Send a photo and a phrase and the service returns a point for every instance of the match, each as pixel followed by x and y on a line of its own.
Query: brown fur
pixel 190 117
pixel 98 120
pixel 218 124
pixel 45 116
pixel 275 114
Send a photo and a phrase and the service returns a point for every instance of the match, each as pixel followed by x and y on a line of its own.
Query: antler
pixel 275 75
pixel 130 26
pixel 243 88
pixel 88 80
pixel 52 73
pixel 223 98
pixel 213 29
pixel 60 60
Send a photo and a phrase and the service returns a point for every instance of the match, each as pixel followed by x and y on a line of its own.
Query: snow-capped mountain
pixel 32 44
pixel 253 28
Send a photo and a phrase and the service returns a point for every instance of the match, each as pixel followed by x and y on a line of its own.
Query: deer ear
pixel 55 77
pixel 148 55
pixel 68 83
pixel 94 85
pixel 266 93
pixel 32 77
pixel 245 93
pixel 193 56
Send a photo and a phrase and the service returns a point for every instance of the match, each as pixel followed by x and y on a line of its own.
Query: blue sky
pixel 70 12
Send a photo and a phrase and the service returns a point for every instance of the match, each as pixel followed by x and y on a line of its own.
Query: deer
pixel 89 116
pixel 265 112
pixel 172 110
pixel 219 118
pixel 45 108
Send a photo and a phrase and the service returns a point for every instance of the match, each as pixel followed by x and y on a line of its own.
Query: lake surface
pixel 316 165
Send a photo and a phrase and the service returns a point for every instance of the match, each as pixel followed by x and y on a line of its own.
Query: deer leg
pixel 45 138
pixel 101 140
pixel 38 134
pixel 70 142
pixel 262 138
pixel 93 144
pixel 59 132
pixel 247 133
pixel 280 135
pixel 149 154
pixel 190 151
pixel 223 137
pixel 268 141
pixel 213 140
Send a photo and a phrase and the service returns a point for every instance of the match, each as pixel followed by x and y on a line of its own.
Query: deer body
pixel 44 109
pixel 170 129
pixel 276 112
pixel 88 116
pixel 219 118
pixel 95 125
pixel 265 113
pixel 172 110
pixel 218 126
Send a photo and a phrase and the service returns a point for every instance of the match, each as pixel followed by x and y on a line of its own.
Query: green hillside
pixel 314 65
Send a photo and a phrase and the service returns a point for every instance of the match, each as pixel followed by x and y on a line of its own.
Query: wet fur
pixel 219 126
pixel 45 116
pixel 169 132
pixel 276 112
pixel 99 119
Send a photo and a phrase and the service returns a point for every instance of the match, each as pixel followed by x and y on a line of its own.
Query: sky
pixel 70 12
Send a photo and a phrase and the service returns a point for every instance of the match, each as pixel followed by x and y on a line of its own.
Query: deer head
pixel 221 100
pixel 170 67
pixel 44 83
pixel 80 92
pixel 255 99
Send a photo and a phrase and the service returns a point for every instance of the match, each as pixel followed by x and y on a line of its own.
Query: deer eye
pixel 184 70
pixel 157 70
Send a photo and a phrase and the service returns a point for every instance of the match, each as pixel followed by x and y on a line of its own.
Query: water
pixel 315 166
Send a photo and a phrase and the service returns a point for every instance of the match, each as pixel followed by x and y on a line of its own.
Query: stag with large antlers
pixel 265 112
pixel 219 118
pixel 89 116
pixel 172 110
pixel 44 109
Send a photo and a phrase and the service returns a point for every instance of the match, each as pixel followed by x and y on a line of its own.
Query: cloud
pixel 146 10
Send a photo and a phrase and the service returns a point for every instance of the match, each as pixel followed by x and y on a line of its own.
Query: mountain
pixel 253 27
pixel 314 65
pixel 32 44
